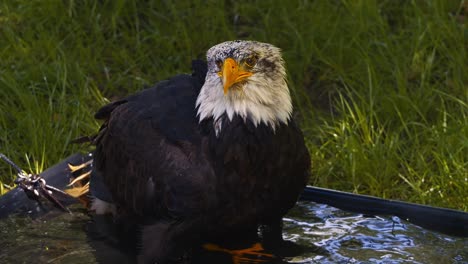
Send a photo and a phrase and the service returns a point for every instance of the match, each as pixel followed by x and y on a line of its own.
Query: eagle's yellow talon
pixel 242 255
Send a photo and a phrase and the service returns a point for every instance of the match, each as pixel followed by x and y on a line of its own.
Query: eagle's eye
pixel 251 61
pixel 219 63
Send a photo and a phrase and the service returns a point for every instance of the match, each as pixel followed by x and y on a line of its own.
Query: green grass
pixel 380 87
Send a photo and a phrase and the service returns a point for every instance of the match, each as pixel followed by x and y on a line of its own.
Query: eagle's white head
pixel 246 78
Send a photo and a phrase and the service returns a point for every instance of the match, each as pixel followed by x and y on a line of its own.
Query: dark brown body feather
pixel 186 184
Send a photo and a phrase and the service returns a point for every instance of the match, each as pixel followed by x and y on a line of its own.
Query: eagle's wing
pixel 149 149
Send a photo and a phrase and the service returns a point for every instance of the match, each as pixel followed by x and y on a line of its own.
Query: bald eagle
pixel 204 156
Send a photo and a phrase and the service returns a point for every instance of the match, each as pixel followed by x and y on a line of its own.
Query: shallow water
pixel 343 237
pixel 328 235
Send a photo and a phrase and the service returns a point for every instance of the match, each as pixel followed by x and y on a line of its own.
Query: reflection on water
pixel 344 237
pixel 55 238
pixel 327 234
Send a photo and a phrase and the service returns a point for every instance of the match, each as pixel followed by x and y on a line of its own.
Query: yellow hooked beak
pixel 232 73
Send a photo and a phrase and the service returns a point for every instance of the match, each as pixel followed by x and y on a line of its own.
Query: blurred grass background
pixel 380 87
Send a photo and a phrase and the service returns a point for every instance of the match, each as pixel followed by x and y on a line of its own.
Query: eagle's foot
pixel 254 254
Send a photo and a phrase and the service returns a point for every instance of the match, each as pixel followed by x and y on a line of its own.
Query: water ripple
pixel 329 235
pixel 343 237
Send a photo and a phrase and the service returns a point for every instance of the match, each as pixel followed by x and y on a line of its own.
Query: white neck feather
pixel 255 101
